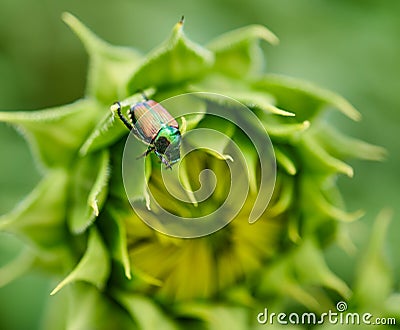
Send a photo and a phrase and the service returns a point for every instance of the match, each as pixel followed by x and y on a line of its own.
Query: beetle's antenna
pixel 167 164
pixel 144 96
pixel 149 149
pixel 116 107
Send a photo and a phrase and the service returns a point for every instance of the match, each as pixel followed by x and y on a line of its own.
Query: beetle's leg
pixel 149 149
pixel 117 107
pixel 166 163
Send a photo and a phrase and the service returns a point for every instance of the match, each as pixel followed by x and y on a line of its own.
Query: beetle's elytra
pixel 153 124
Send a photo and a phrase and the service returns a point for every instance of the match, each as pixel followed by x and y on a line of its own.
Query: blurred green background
pixel 349 46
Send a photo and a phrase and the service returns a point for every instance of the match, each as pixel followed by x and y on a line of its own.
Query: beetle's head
pixel 167 145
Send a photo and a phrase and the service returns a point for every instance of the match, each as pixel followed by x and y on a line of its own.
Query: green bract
pixel 122 274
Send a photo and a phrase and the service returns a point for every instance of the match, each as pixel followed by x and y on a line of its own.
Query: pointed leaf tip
pixel 110 67
pixel 303 97
pixel 84 34
pixel 178 28
pixel 238 52
pixel 67 16
pixel 251 32
pixel 74 23
pixel 177 60
pixel 115 235
pixel 94 267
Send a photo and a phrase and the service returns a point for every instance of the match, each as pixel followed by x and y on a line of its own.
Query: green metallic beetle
pixel 152 124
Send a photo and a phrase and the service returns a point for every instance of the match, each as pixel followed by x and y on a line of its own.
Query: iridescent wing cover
pixel 147 118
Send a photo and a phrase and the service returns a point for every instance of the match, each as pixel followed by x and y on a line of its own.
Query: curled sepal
pixel 317 159
pixel 285 132
pixel 94 267
pixel 215 147
pixel 177 60
pixel 135 173
pixel 90 309
pixel 66 127
pixel 251 157
pixel 238 53
pixel 303 98
pixel 217 317
pixel 374 280
pixel 314 198
pixel 311 269
pixel 88 190
pixel 184 176
pixel 341 145
pixel 279 279
pixel 238 90
pixel 115 236
pixel 285 160
pixel 261 101
pixel 40 217
pixel 144 311
pixel 211 145
pixel 283 195
pixel 110 67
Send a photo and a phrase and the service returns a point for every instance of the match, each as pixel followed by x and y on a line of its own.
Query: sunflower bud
pixel 238 222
